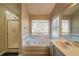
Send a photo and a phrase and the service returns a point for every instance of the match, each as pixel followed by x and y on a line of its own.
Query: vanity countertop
pixel 66 49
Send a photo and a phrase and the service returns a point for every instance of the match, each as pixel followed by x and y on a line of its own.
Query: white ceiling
pixel 40 8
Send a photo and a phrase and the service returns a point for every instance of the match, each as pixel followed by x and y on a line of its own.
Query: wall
pixel 45 17
pixel 75 23
pixel 2 28
pixel 66 17
pixel 25 21
pixel 3 23
pixel 15 9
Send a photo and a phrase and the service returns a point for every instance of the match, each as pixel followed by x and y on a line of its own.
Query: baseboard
pixel 20 55
pixel 12 50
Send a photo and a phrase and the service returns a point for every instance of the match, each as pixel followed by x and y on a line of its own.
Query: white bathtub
pixel 36 41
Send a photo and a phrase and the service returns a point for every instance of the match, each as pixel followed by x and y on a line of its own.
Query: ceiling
pixel 12 11
pixel 11 16
pixel 71 9
pixel 40 8
pixel 13 7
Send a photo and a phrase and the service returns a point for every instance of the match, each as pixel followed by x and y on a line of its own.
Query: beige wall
pixel 3 23
pixel 39 17
pixel 66 17
pixel 2 28
pixel 75 23
pixel 25 26
pixel 25 21
pixel 15 9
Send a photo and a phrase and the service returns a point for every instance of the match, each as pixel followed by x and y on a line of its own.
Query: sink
pixel 64 44
pixel 75 43
pixel 68 43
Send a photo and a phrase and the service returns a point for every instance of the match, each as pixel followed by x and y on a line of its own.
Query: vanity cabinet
pixel 51 49
pixel 54 51
pixel 57 52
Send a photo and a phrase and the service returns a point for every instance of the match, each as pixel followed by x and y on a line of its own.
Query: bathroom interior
pixel 39 29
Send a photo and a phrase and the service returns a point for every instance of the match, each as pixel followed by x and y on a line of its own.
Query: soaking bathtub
pixel 36 41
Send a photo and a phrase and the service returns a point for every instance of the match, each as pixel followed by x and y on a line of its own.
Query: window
pixel 65 27
pixel 40 27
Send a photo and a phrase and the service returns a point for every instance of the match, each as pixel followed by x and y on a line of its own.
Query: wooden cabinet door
pixel 57 52
pixel 51 49
pixel 13 34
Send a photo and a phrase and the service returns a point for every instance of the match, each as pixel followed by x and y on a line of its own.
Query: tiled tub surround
pixel 71 37
pixel 35 40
